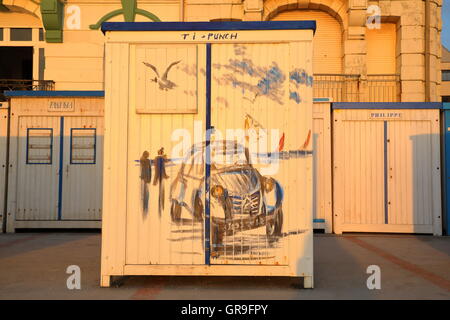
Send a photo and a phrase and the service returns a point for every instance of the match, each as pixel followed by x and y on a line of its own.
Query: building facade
pixel 364 51
pixel 445 68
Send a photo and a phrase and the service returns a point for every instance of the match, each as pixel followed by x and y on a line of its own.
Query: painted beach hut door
pixel 216 198
pixel 58 168
pixel 387 171
pixel 248 116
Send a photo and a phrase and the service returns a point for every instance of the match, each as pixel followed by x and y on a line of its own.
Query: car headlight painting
pixel 217 192
pixel 268 183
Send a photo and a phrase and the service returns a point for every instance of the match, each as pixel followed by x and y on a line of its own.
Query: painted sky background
pixel 445 35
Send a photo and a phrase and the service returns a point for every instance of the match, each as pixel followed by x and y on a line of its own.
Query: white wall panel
pixel 273 86
pixel 3 156
pixel 321 139
pixel 386 171
pixel 44 189
pixel 82 179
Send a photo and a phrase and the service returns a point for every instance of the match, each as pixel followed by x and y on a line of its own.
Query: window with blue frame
pixel 82 145
pixel 39 146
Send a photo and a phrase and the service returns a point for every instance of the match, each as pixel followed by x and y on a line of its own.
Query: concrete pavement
pixel 33 266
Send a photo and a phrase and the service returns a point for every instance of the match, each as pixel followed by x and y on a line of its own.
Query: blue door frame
pixel 61 164
pixel 446 173
pixel 208 156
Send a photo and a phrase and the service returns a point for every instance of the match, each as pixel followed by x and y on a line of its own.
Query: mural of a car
pixel 241 198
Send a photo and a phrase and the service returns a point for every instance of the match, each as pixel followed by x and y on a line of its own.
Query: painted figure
pixel 160 175
pixel 146 178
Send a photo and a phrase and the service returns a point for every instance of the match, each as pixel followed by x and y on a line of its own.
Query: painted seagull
pixel 164 83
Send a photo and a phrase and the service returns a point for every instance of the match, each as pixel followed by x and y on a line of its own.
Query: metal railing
pixel 383 88
pixel 23 84
pixel 352 88
pixel 339 87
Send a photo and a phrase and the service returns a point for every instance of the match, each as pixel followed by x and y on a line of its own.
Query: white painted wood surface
pixel 3 156
pixel 321 139
pixel 140 241
pixel 397 190
pixel 33 189
pixel 37 184
pixel 82 168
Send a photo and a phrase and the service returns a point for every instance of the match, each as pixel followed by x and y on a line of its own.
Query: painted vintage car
pixel 241 198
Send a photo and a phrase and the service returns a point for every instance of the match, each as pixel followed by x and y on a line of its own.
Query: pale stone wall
pixel 445 85
pixel 77 63
pixel 445 65
pixel 409 15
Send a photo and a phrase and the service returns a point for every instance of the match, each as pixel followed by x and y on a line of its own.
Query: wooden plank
pixel 3 159
pixel 436 173
pixel 176 37
pixel 212 270
pixel 394 228
pixel 80 224
pixel 12 173
pixel 338 169
pixel 115 164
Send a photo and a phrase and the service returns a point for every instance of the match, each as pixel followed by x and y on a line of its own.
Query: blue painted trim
pixel 95 146
pixel 208 157
pixel 209 26
pixel 321 100
pixel 61 164
pixel 387 105
pixel 318 220
pixel 446 105
pixel 386 173
pixel 51 147
pixel 446 173
pixel 67 93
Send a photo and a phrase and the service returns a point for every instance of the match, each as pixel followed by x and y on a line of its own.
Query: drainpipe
pixel 427 52
pixel 181 10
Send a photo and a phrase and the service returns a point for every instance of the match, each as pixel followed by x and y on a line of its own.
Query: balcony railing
pixel 21 84
pixel 352 88
pixel 339 87
pixel 383 88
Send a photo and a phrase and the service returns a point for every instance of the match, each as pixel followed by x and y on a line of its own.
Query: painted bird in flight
pixel 163 82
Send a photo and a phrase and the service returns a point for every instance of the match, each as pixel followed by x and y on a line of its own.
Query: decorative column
pixel 355 48
pixel 52 12
pixel 410 48
pixel 435 49
pixel 253 10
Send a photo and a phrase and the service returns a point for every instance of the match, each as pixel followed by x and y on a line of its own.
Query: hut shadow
pixel 338 272
pixel 420 197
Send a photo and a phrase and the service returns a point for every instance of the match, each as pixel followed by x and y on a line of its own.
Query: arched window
pixel 327 51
